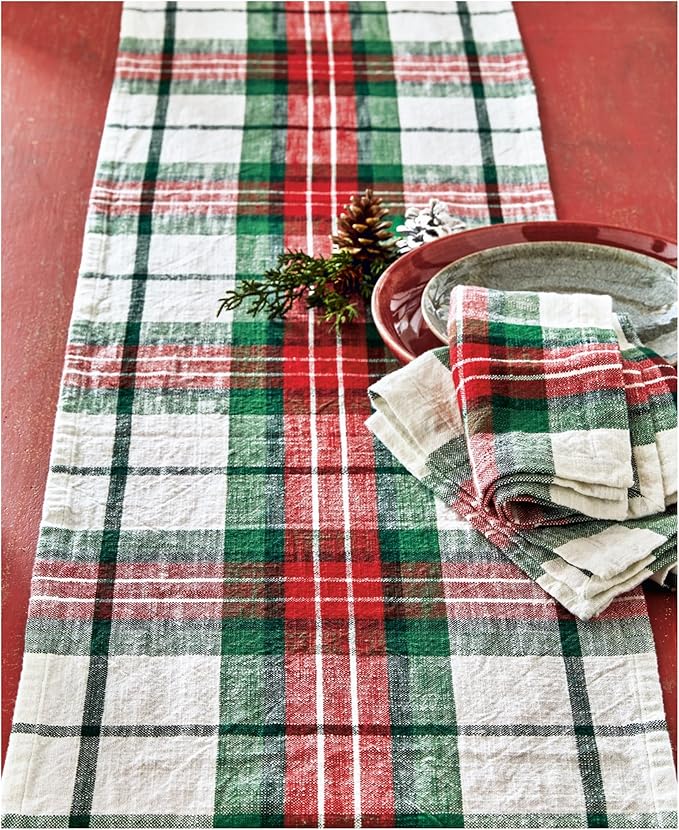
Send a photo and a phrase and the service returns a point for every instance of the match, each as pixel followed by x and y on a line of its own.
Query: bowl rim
pixel 556 225
pixel 423 307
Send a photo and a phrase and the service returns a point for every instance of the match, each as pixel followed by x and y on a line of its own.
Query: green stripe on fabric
pixel 181 224
pixel 482 117
pixel 162 401
pixel 120 170
pixel 188 171
pixel 507 89
pixel 418 650
pixel 156 638
pixel 453 48
pixel 376 111
pixel 371 45
pixel 489 636
pixel 246 332
pixel 549 821
pixel 414 89
pixel 588 754
pixel 250 769
pixel 93 707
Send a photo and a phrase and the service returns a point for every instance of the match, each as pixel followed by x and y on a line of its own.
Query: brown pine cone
pixel 362 229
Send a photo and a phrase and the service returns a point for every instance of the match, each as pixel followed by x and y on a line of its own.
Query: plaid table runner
pixel 243 612
pixel 557 407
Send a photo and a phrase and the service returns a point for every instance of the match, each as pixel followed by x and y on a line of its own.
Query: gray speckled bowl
pixel 640 286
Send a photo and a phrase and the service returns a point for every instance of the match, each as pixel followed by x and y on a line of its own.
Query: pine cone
pixel 362 229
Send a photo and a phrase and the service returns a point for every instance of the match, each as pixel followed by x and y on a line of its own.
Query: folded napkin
pixel 552 430
pixel 651 390
pixel 584 564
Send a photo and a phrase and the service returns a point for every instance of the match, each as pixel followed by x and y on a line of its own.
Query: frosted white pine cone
pixel 423 224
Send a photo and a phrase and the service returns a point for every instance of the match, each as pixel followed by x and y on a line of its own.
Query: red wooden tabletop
pixel 605 75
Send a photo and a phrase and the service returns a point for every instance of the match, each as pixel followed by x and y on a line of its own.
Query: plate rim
pixel 425 313
pixel 557 226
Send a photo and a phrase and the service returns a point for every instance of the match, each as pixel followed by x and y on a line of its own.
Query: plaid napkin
pixel 583 565
pixel 651 391
pixel 243 612
pixel 555 406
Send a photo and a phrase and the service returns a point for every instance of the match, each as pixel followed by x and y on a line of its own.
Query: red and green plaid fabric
pixel 244 612
pixel 584 565
pixel 556 406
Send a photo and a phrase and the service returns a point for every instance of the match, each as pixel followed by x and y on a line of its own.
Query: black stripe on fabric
pixel 482 117
pixel 93 707
pixel 99 275
pixel 429 12
pixel 236 469
pixel 272 782
pixel 280 729
pixel 321 128
pixel 585 734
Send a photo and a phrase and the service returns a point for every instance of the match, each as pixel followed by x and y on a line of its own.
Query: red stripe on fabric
pixel 631 604
pixel 406 68
pixel 220 198
pixel 375 753
pixel 301 680
pixel 483 390
pixel 297 211
pixel 161 570
pixel 220 188
pixel 371 647
pixel 339 757
pixel 157 610
pixel 598 379
pixel 492 590
pixel 476 345
pixel 649 378
pixel 172 379
pixel 198 374
pixel 301 800
pixel 245 356
pixel 333 592
pixel 339 760
pixel 368 572
pixel 346 171
pixel 499 610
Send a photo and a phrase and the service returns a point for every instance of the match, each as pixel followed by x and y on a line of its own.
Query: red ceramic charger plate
pixel 397 294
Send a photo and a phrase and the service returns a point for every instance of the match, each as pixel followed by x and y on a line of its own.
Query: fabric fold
pixel 540 386
pixel 584 564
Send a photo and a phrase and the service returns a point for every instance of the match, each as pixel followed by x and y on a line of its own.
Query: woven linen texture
pixel 584 565
pixel 556 407
pixel 244 612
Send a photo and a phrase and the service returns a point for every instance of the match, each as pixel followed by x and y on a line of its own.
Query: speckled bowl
pixel 396 300
pixel 643 288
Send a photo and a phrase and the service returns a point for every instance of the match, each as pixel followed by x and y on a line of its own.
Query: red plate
pixel 396 296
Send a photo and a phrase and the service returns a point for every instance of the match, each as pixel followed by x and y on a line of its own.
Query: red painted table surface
pixel 605 75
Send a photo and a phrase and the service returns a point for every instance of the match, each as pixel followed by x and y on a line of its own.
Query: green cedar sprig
pixel 331 284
